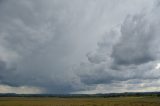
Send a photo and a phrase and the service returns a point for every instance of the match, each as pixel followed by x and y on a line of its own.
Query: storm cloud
pixel 73 46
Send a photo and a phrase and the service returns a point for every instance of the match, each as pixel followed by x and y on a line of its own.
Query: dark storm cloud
pixel 6 73
pixel 3 69
pixel 95 58
pixel 134 46
pixel 42 39
pixel 131 56
pixel 35 42
pixel 42 44
pixel 2 66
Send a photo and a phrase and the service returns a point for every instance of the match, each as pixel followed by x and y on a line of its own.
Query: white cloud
pixel 20 89
pixel 157 66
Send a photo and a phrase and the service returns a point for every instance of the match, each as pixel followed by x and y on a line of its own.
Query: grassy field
pixel 117 101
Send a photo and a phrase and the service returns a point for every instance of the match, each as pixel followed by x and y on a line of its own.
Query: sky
pixel 79 46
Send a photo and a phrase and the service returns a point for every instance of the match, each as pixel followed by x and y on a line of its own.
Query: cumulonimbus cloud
pixel 43 42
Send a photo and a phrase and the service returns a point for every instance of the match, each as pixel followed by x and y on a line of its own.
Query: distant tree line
pixel 126 94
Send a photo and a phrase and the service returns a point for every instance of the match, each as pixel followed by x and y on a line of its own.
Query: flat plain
pixel 50 101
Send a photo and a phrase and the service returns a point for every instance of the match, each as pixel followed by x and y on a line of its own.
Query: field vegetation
pixel 51 101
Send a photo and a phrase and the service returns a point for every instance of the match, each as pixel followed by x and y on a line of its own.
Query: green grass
pixel 48 101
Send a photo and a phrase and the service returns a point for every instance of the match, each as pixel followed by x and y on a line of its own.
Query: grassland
pixel 48 101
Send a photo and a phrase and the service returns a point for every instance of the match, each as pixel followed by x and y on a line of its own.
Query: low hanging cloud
pixel 72 46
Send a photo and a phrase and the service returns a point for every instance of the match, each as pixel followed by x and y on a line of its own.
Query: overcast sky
pixel 79 46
